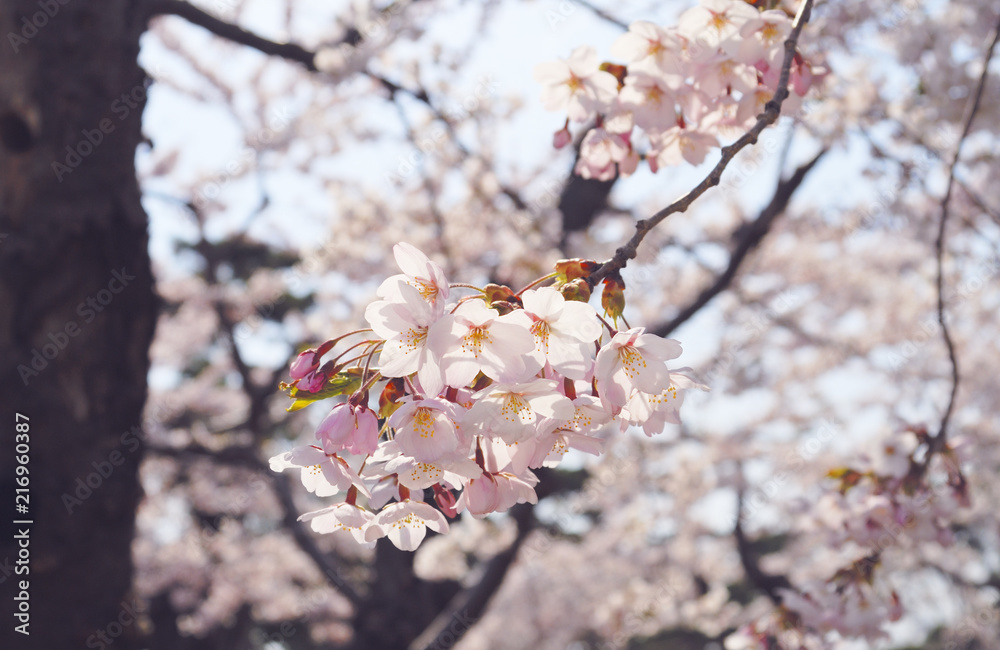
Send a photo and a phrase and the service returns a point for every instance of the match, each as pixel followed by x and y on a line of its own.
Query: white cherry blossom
pixel 343 519
pixel 576 85
pixel 406 524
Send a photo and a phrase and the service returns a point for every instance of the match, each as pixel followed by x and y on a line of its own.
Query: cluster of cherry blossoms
pixel 682 86
pixel 907 495
pixel 472 394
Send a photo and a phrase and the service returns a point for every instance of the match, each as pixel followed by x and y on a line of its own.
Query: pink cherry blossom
pixel 653 412
pixel 761 34
pixel 305 363
pixel 599 152
pixel 404 324
pixel 651 101
pixel 350 427
pixel 676 145
pixel 561 138
pixel 419 475
pixel 650 48
pixel 720 74
pixel 553 446
pixel 323 474
pixel 714 21
pixel 497 493
pixel 426 429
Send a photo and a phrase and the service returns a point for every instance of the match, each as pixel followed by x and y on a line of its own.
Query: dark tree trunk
pixel 77 312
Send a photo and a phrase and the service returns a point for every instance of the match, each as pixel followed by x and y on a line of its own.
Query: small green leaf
pixel 342 383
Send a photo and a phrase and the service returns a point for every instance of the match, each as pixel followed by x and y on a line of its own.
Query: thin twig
pixel 603 15
pixel 937 443
pixel 771 112
pixel 299 54
pixel 754 233
pixel 978 200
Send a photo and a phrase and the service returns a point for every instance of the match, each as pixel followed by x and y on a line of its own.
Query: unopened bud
pixel 569 270
pixel 497 293
pixel 561 138
pixel 577 289
pixel 388 399
pixel 613 296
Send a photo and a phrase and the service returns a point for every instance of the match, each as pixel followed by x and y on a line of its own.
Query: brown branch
pixel 603 15
pixel 979 201
pixel 308 544
pixel 231 32
pixel 289 51
pixel 938 442
pixel 754 233
pixel 307 58
pixel 765 582
pixel 466 608
pixel 771 112
pixel 247 457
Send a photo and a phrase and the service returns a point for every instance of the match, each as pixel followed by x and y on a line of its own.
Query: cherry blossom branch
pixel 288 51
pixel 771 112
pixel 298 54
pixel 754 233
pixel 231 32
pixel 938 442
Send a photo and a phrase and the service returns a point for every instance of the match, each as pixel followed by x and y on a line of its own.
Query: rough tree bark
pixel 78 312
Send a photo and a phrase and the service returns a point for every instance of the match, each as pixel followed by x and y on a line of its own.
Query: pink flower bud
pixel 306 362
pixel 482 495
pixel 354 428
pixel 446 501
pixel 313 382
pixel 561 138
